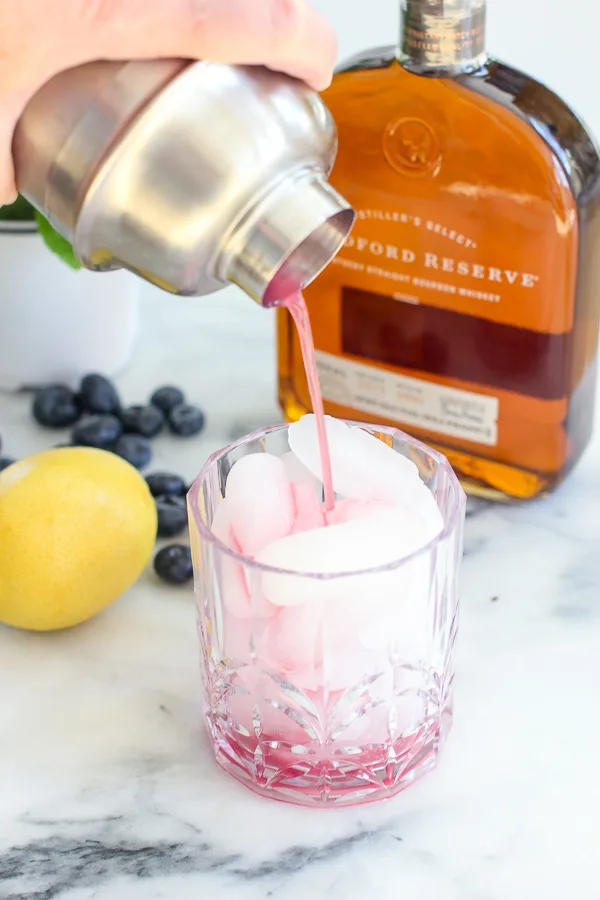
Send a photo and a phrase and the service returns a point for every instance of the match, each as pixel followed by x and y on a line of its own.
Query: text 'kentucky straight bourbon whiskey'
pixel 465 306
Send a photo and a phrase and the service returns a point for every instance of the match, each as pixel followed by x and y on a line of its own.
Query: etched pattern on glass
pixel 297 712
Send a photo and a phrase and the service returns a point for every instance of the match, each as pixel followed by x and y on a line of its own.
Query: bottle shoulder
pixel 365 60
pixel 548 115
pixel 553 122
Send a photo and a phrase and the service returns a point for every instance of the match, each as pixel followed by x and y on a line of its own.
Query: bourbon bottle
pixel 465 306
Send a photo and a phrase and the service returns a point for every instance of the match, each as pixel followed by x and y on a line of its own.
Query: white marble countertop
pixel 107 786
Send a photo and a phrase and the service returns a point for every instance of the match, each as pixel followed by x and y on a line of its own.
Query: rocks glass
pixel 342 699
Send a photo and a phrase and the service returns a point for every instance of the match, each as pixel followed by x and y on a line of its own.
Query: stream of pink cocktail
pixel 297 308
pixel 307 703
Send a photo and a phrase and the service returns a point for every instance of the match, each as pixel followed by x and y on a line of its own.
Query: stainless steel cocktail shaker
pixel 190 174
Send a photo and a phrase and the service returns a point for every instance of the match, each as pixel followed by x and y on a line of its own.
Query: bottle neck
pixel 446 35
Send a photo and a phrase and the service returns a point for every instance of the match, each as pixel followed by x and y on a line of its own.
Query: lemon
pixel 77 527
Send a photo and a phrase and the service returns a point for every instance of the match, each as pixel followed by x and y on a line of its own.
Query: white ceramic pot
pixel 57 324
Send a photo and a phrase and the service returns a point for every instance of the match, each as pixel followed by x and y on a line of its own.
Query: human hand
pixel 39 38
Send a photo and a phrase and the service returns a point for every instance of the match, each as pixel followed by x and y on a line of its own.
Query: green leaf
pixel 19 211
pixel 22 211
pixel 56 242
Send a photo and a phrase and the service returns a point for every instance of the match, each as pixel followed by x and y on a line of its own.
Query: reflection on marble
pixel 107 787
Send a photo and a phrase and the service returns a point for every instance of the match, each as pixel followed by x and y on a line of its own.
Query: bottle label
pixel 465 415
pixel 449 344
pixel 438 34
pixel 418 258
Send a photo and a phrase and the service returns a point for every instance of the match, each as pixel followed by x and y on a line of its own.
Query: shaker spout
pixel 286 243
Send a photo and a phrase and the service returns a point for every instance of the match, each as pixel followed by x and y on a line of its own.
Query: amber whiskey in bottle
pixel 465 306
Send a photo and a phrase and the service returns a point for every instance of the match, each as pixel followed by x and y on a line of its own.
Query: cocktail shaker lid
pixel 190 174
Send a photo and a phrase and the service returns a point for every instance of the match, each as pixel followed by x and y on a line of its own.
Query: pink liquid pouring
pixel 297 308
pixel 343 726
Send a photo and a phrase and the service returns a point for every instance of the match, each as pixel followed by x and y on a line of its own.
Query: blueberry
pixel 98 395
pixel 97 431
pixel 172 515
pixel 166 484
pixel 144 420
pixel 166 398
pixel 55 406
pixel 135 449
pixel 186 420
pixel 174 564
pixel 5 462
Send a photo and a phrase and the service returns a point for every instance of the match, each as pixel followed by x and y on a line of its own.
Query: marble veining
pixel 61 863
pixel 107 787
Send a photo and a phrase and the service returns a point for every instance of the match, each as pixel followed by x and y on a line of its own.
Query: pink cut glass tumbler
pixel 345 698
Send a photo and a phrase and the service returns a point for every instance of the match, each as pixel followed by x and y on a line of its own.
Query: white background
pixel 556 41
